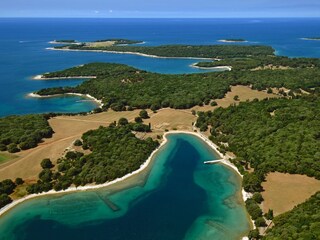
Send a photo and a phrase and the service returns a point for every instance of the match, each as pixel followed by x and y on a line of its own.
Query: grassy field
pixel 284 191
pixel 101 44
pixel 5 157
pixel 243 92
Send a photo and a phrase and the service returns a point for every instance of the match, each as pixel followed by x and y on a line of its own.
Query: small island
pixel 123 46
pixel 312 38
pixel 98 43
pixel 64 41
pixel 233 40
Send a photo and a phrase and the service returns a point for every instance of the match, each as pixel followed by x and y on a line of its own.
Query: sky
pixel 160 8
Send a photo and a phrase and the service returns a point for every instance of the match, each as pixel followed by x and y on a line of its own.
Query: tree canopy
pixel 23 132
pixel 272 135
pixel 115 152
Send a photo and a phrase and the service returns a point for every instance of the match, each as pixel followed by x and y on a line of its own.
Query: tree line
pixel 23 132
pixel 198 51
pixel 115 152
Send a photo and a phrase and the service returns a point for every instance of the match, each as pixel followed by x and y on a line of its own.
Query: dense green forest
pixel 262 62
pixel 23 132
pixel 271 135
pixel 197 51
pixel 94 69
pixel 120 86
pixel 115 152
pixel 303 222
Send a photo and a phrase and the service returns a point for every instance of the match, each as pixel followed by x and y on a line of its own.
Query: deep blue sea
pixel 23 53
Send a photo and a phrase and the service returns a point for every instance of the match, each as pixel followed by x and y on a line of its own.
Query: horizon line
pixel 94 17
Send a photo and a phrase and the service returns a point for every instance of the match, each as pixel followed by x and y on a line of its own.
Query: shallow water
pixel 178 197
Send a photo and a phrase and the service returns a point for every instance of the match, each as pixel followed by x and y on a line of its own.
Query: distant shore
pixel 132 53
pixel 61 42
pixel 232 41
pixel 142 167
pixel 311 39
pixel 227 68
pixel 99 102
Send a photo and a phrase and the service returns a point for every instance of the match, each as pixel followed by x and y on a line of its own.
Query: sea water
pixel 23 52
pixel 177 197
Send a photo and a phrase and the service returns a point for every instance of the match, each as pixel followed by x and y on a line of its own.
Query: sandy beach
pixel 226 68
pixel 34 95
pixel 41 77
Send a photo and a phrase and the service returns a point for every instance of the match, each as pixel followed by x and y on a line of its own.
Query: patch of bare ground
pixel 271 67
pixel 284 191
pixel 168 119
pixel 101 44
pixel 67 129
pixel 244 93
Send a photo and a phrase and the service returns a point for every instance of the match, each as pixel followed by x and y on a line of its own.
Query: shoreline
pixel 143 166
pixel 84 188
pixel 41 77
pixel 64 43
pixel 226 68
pixel 131 53
pixel 99 102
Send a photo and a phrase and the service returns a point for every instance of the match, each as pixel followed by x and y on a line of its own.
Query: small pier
pixel 214 161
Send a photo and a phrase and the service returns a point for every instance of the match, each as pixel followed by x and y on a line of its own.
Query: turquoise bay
pixel 176 197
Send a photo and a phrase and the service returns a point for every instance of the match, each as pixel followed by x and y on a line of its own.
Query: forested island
pixel 65 41
pixel 192 51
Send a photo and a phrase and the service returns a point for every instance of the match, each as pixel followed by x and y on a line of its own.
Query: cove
pixel 176 197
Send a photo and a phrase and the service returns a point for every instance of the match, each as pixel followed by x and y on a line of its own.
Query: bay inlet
pixel 176 197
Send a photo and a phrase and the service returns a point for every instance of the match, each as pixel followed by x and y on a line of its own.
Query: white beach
pixel 142 167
